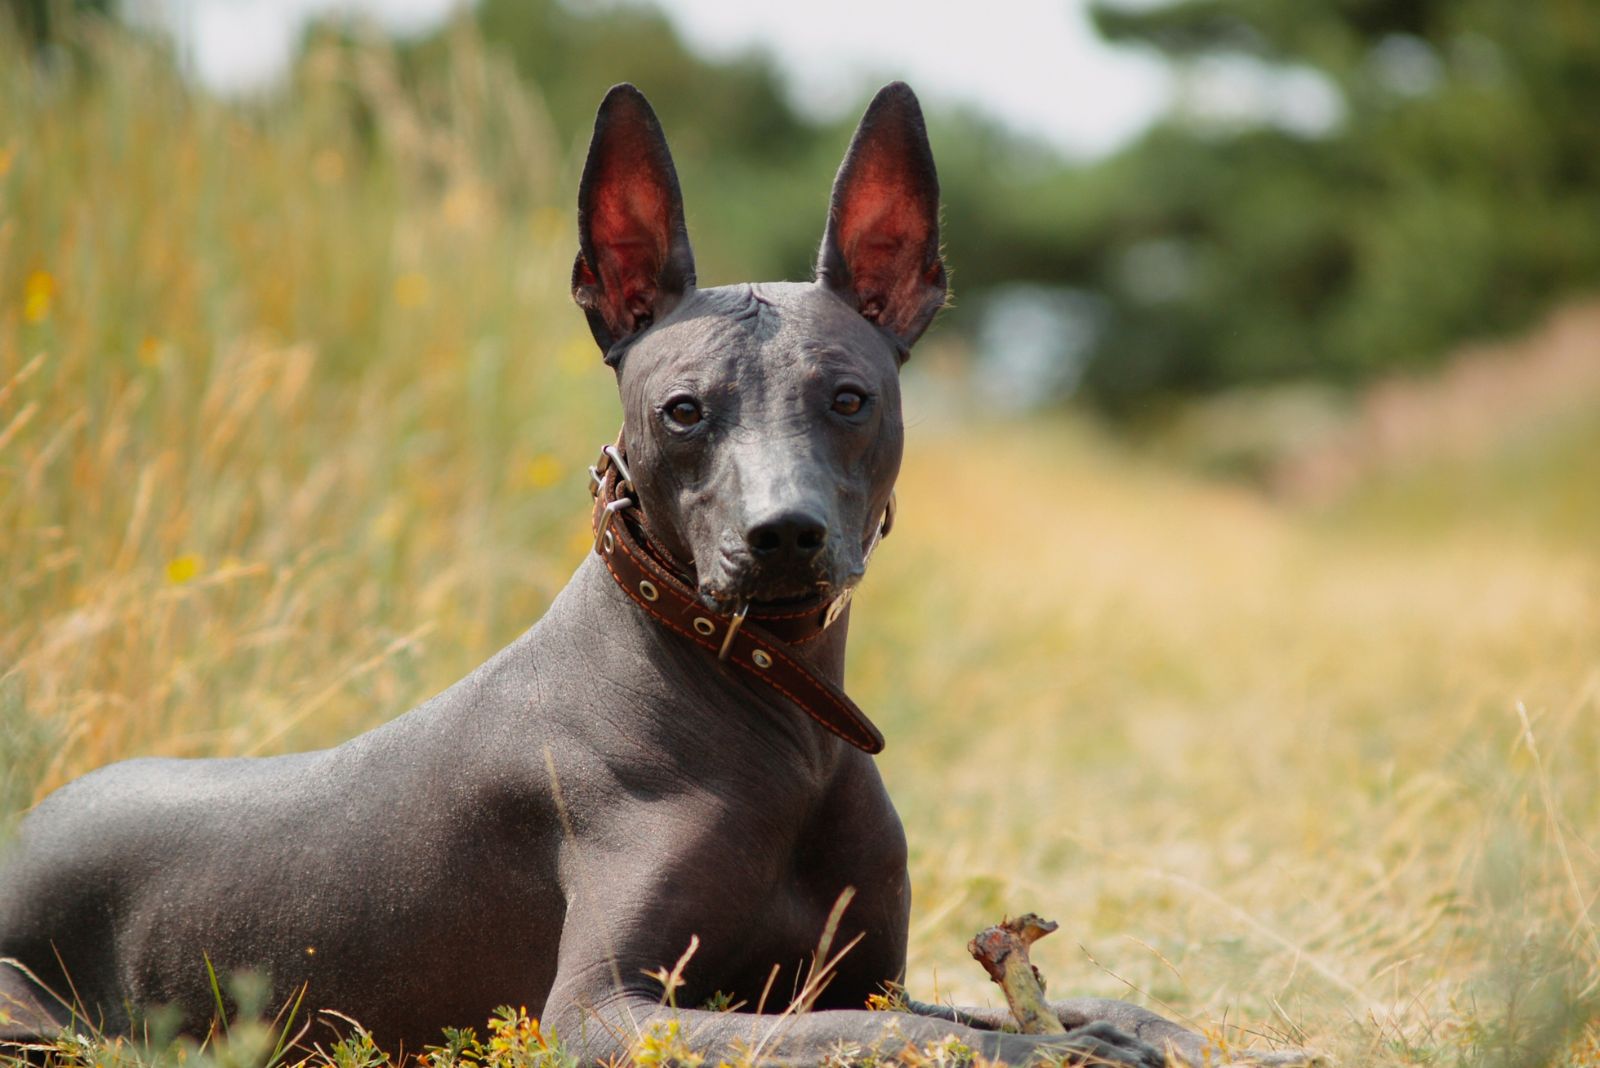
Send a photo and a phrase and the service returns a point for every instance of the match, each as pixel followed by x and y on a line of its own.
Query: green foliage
pixel 38 22
pixel 515 1040
pixel 662 1045
pixel 356 1050
pixel 1447 203
pixel 721 1001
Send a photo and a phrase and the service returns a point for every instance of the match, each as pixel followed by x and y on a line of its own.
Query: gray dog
pixel 666 756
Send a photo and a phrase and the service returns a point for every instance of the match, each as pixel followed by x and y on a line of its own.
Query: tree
pixel 1456 196
pixel 38 20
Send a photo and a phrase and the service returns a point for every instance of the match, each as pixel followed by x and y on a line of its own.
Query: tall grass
pixel 296 409
pixel 293 419
pixel 1324 777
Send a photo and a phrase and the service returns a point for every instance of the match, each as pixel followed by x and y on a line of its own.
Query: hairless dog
pixel 666 757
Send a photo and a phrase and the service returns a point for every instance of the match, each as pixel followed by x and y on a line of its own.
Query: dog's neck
pixel 620 648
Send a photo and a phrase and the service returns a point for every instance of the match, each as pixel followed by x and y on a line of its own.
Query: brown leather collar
pixel 761 645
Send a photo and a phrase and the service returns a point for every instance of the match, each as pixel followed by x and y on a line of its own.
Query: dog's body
pixel 602 791
pixel 422 874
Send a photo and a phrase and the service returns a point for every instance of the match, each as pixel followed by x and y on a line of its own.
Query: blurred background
pixel 1283 319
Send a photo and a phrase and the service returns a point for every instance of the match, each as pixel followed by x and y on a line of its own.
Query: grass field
pixel 294 414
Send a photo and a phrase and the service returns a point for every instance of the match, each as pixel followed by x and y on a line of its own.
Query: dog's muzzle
pixel 761 643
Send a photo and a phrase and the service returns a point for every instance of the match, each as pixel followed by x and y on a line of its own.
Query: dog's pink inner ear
pixel 881 247
pixel 886 237
pixel 630 229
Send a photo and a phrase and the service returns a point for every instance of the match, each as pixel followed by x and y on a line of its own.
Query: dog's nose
pixel 791 536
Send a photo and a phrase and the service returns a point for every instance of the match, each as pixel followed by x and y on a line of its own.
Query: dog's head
pixel 762 421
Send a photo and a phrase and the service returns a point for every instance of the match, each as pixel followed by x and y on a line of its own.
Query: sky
pixel 1036 65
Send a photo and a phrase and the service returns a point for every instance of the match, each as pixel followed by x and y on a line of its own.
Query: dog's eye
pixel 848 402
pixel 683 411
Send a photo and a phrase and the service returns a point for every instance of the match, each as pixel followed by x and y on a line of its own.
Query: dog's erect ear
pixel 881 249
pixel 634 261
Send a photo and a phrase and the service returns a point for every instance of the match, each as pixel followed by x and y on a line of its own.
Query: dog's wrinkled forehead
pixel 756 335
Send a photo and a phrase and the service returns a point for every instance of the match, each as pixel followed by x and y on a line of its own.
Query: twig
pixel 1003 952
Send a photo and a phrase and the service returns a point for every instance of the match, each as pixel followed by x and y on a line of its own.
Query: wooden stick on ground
pixel 1003 952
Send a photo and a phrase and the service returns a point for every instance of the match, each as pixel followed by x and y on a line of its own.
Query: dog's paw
pixel 1102 1044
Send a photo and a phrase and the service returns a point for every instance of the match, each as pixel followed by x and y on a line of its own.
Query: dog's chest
pixel 839 882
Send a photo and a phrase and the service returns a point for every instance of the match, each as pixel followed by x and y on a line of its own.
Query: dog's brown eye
pixel 684 412
pixel 848 402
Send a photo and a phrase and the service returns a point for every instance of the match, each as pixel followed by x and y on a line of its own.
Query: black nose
pixel 792 537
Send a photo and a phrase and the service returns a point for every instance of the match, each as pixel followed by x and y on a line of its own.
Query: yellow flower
pixel 543 471
pixel 149 352
pixel 37 294
pixel 181 569
pixel 662 1045
pixel 411 290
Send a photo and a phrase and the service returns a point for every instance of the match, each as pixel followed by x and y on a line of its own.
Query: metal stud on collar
pixel 704 626
pixel 610 456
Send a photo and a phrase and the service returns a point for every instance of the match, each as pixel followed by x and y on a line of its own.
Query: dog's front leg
pixel 609 1031
pixel 1189 1047
pixel 605 1000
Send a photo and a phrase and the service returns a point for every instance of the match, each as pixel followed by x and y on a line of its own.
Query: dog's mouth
pixel 766 598
pixel 778 604
pixel 727 590
pixel 731 579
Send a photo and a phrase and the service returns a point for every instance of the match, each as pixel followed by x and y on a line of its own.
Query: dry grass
pixel 291 394
pixel 1263 767
pixel 293 419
